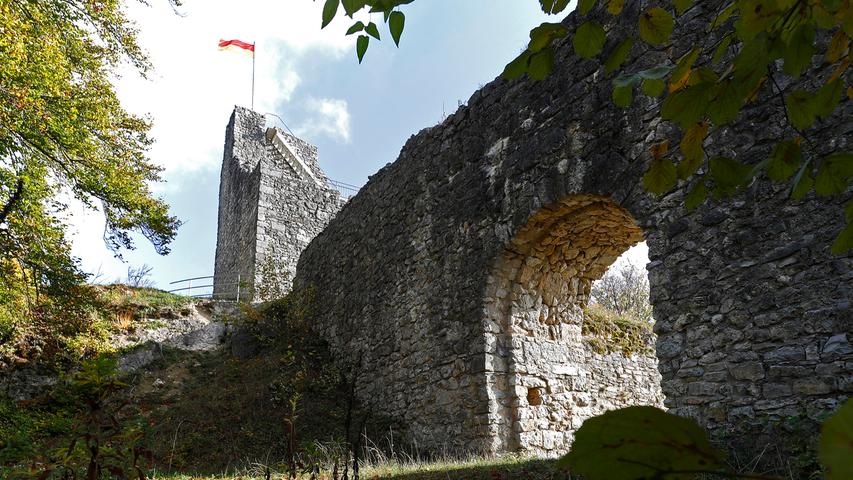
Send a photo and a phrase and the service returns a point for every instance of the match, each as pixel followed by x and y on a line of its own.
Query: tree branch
pixel 13 200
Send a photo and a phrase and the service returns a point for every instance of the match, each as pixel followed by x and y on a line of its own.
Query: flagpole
pixel 253 75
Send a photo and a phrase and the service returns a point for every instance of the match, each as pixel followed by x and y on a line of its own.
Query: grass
pixel 139 302
pixel 607 331
pixel 58 337
pixel 499 468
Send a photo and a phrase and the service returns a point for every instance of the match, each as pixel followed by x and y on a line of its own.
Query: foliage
pixel 273 279
pixel 836 443
pixel 57 332
pixel 748 50
pixel 644 442
pixel 607 331
pixel 62 129
pixel 97 442
pixel 641 442
pixel 625 291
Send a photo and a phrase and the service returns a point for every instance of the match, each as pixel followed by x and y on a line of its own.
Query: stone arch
pixel 753 313
pixel 542 378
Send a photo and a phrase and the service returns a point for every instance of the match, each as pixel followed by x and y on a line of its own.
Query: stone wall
pixel 273 199
pixel 753 311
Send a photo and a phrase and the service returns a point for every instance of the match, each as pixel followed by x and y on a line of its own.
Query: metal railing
pixel 188 290
pixel 347 190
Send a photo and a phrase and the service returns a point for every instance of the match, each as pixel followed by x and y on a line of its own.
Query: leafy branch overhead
pixel 395 19
pixel 748 49
pixel 62 128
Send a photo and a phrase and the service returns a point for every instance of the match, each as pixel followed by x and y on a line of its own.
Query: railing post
pixel 238 288
pixel 189 287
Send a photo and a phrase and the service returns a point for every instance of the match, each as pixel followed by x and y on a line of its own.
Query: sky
pixel 359 116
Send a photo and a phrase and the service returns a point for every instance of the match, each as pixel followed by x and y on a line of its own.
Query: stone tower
pixel 273 199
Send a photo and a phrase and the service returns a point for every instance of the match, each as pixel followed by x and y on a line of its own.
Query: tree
pixel 625 291
pixel 749 47
pixel 62 129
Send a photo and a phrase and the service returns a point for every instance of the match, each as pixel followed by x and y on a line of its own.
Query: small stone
pixel 747 371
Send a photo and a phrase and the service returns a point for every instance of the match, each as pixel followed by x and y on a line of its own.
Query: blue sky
pixel 359 116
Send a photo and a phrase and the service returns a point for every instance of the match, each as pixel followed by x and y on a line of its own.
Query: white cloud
pixel 195 86
pixel 330 117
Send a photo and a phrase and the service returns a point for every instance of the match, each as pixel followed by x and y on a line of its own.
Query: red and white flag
pixel 237 46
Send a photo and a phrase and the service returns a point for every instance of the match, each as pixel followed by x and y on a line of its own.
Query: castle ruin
pixel 273 199
pixel 458 274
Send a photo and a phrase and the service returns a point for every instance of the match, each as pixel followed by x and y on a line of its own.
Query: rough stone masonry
pixel 457 272
pixel 273 199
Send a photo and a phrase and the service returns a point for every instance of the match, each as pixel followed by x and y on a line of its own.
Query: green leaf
pixel 687 107
pixel 541 64
pixel 553 7
pixel 726 14
pixel 845 15
pixel 653 87
pixel 843 243
pixel 728 175
pixel 722 48
pixel 352 6
pixel 584 6
pixel 639 442
pixel 826 98
pixel 799 50
pixel 356 27
pixel 372 30
pixel 834 174
pixel 623 96
pixel 589 39
pixel 361 46
pixel 702 75
pixel 656 26
pixel 627 80
pixel 835 449
pixel 756 16
pixel 751 63
pixel 800 110
pixel 682 5
pixel 517 67
pixel 785 160
pixel 656 73
pixel 660 177
pixel 617 58
pixel 542 36
pixel 396 22
pixel 688 166
pixel 726 102
pixel 697 195
pixel 803 182
pixel 330 8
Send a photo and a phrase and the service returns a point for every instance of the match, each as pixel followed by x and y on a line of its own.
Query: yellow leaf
pixel 659 149
pixel 850 93
pixel 837 47
pixel 691 144
pixel 681 74
pixel 839 70
pixel 615 6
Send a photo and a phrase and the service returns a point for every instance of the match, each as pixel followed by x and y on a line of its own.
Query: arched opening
pixel 543 376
